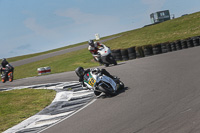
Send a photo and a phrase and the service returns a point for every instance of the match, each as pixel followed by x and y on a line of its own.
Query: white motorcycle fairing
pixel 104 50
pixel 105 55
pixel 91 80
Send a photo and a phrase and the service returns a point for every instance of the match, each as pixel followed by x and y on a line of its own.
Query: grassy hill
pixel 168 31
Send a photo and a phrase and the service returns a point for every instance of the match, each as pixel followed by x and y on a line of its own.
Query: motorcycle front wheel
pixel 121 84
pixel 97 93
pixel 107 91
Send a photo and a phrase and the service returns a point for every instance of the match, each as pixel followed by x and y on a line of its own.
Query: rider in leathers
pixel 81 72
pixel 5 65
pixel 93 48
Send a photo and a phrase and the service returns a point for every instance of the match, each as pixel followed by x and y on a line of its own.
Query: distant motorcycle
pixel 101 83
pixel 104 53
pixel 6 75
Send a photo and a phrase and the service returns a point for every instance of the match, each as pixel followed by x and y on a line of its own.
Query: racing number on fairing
pixel 91 82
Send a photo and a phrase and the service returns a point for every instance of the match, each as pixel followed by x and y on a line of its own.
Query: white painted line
pixel 68 116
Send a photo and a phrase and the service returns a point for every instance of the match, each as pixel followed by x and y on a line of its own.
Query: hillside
pixel 168 31
pixel 179 28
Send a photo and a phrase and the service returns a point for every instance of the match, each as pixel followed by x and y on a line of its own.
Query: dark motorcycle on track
pixel 6 75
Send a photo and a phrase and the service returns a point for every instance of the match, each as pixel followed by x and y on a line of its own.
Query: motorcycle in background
pixel 104 53
pixel 6 75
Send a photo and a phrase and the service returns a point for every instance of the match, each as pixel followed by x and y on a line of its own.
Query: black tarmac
pixel 162 95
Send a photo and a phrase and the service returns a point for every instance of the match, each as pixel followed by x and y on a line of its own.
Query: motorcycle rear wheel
pixel 11 77
pixel 112 60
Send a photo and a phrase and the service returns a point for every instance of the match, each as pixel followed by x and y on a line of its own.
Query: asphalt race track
pixel 162 95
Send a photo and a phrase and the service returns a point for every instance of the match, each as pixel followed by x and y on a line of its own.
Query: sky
pixel 32 26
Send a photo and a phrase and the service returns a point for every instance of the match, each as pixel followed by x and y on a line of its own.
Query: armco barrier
pixel 148 50
pixel 47 69
pixel 43 70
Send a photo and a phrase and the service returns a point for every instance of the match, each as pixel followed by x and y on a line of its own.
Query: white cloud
pixel 85 18
pixel 31 24
pixel 90 23
pixel 75 14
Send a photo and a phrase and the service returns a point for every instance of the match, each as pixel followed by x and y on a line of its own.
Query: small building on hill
pixel 160 16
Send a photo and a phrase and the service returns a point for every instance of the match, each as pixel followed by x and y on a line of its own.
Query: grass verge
pixel 171 30
pixel 168 31
pixel 41 53
pixel 18 105
pixel 58 64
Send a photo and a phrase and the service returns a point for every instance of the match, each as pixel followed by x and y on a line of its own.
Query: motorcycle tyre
pixel 11 77
pixel 97 93
pixel 3 80
pixel 112 60
pixel 107 92
pixel 106 65
pixel 121 85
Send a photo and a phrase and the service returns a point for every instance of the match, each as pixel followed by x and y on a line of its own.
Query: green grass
pixel 179 28
pixel 18 105
pixel 50 51
pixel 37 54
pixel 168 31
pixel 61 63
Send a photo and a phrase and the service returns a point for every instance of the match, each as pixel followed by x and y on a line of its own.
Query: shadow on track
pixel 114 65
pixel 118 93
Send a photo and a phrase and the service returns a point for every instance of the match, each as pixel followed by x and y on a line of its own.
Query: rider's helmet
pixel 80 71
pixel 4 59
pixel 4 62
pixel 91 43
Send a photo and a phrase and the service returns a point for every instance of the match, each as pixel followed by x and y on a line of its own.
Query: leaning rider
pixel 93 48
pixel 5 65
pixel 80 72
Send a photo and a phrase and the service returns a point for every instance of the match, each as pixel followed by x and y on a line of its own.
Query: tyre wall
pixel 154 49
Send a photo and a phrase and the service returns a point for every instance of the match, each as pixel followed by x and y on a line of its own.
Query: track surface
pixel 162 96
pixel 44 56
